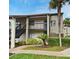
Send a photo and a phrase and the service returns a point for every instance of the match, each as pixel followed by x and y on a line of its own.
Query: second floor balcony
pixel 38 26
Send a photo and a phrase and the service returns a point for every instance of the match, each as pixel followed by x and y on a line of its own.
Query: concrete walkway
pixel 65 53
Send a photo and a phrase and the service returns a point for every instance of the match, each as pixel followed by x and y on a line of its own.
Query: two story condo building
pixel 30 26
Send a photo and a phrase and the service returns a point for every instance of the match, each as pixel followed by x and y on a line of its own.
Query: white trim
pixel 13 26
pixel 27 26
pixel 48 25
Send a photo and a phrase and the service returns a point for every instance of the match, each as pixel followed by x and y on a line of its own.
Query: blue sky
pixel 23 7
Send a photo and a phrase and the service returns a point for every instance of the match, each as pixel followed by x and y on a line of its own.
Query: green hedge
pixel 30 41
pixel 55 42
pixel 34 41
pixel 20 43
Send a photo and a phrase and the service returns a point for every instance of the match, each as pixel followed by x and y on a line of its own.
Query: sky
pixel 27 7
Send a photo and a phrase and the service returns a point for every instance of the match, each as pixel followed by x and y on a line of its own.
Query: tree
pixel 57 4
pixel 67 21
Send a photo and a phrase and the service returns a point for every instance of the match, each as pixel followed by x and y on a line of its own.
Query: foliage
pixel 54 3
pixel 44 37
pixel 20 43
pixel 11 54
pixel 66 42
pixel 55 42
pixel 34 41
pixel 32 56
pixel 67 21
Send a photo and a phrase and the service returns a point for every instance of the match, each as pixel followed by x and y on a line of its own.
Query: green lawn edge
pixel 34 56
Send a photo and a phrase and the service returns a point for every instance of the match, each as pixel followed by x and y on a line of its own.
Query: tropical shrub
pixel 55 42
pixel 20 43
pixel 34 41
pixel 66 42
pixel 44 37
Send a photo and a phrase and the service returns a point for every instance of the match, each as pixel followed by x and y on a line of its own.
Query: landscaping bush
pixel 55 42
pixel 20 43
pixel 44 37
pixel 66 42
pixel 34 41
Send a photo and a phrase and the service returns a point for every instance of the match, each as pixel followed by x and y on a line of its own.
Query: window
pixel 52 23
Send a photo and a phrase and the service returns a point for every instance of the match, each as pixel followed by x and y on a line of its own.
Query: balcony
pixel 38 26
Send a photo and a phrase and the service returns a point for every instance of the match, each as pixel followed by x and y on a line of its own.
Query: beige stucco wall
pixel 54 28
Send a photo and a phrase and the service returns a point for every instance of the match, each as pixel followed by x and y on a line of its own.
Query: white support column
pixel 27 26
pixel 13 26
pixel 48 25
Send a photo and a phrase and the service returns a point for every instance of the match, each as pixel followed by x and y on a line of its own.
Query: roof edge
pixel 33 14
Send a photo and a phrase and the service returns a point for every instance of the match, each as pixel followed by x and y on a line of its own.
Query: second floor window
pixel 52 23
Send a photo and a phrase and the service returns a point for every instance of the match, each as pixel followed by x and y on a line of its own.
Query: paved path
pixel 66 52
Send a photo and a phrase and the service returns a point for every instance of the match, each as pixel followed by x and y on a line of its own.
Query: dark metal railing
pixel 20 31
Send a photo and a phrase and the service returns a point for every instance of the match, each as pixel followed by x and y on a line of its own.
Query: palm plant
pixel 44 37
pixel 57 4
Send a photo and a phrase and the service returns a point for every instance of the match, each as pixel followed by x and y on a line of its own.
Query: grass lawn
pixel 32 56
pixel 49 48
